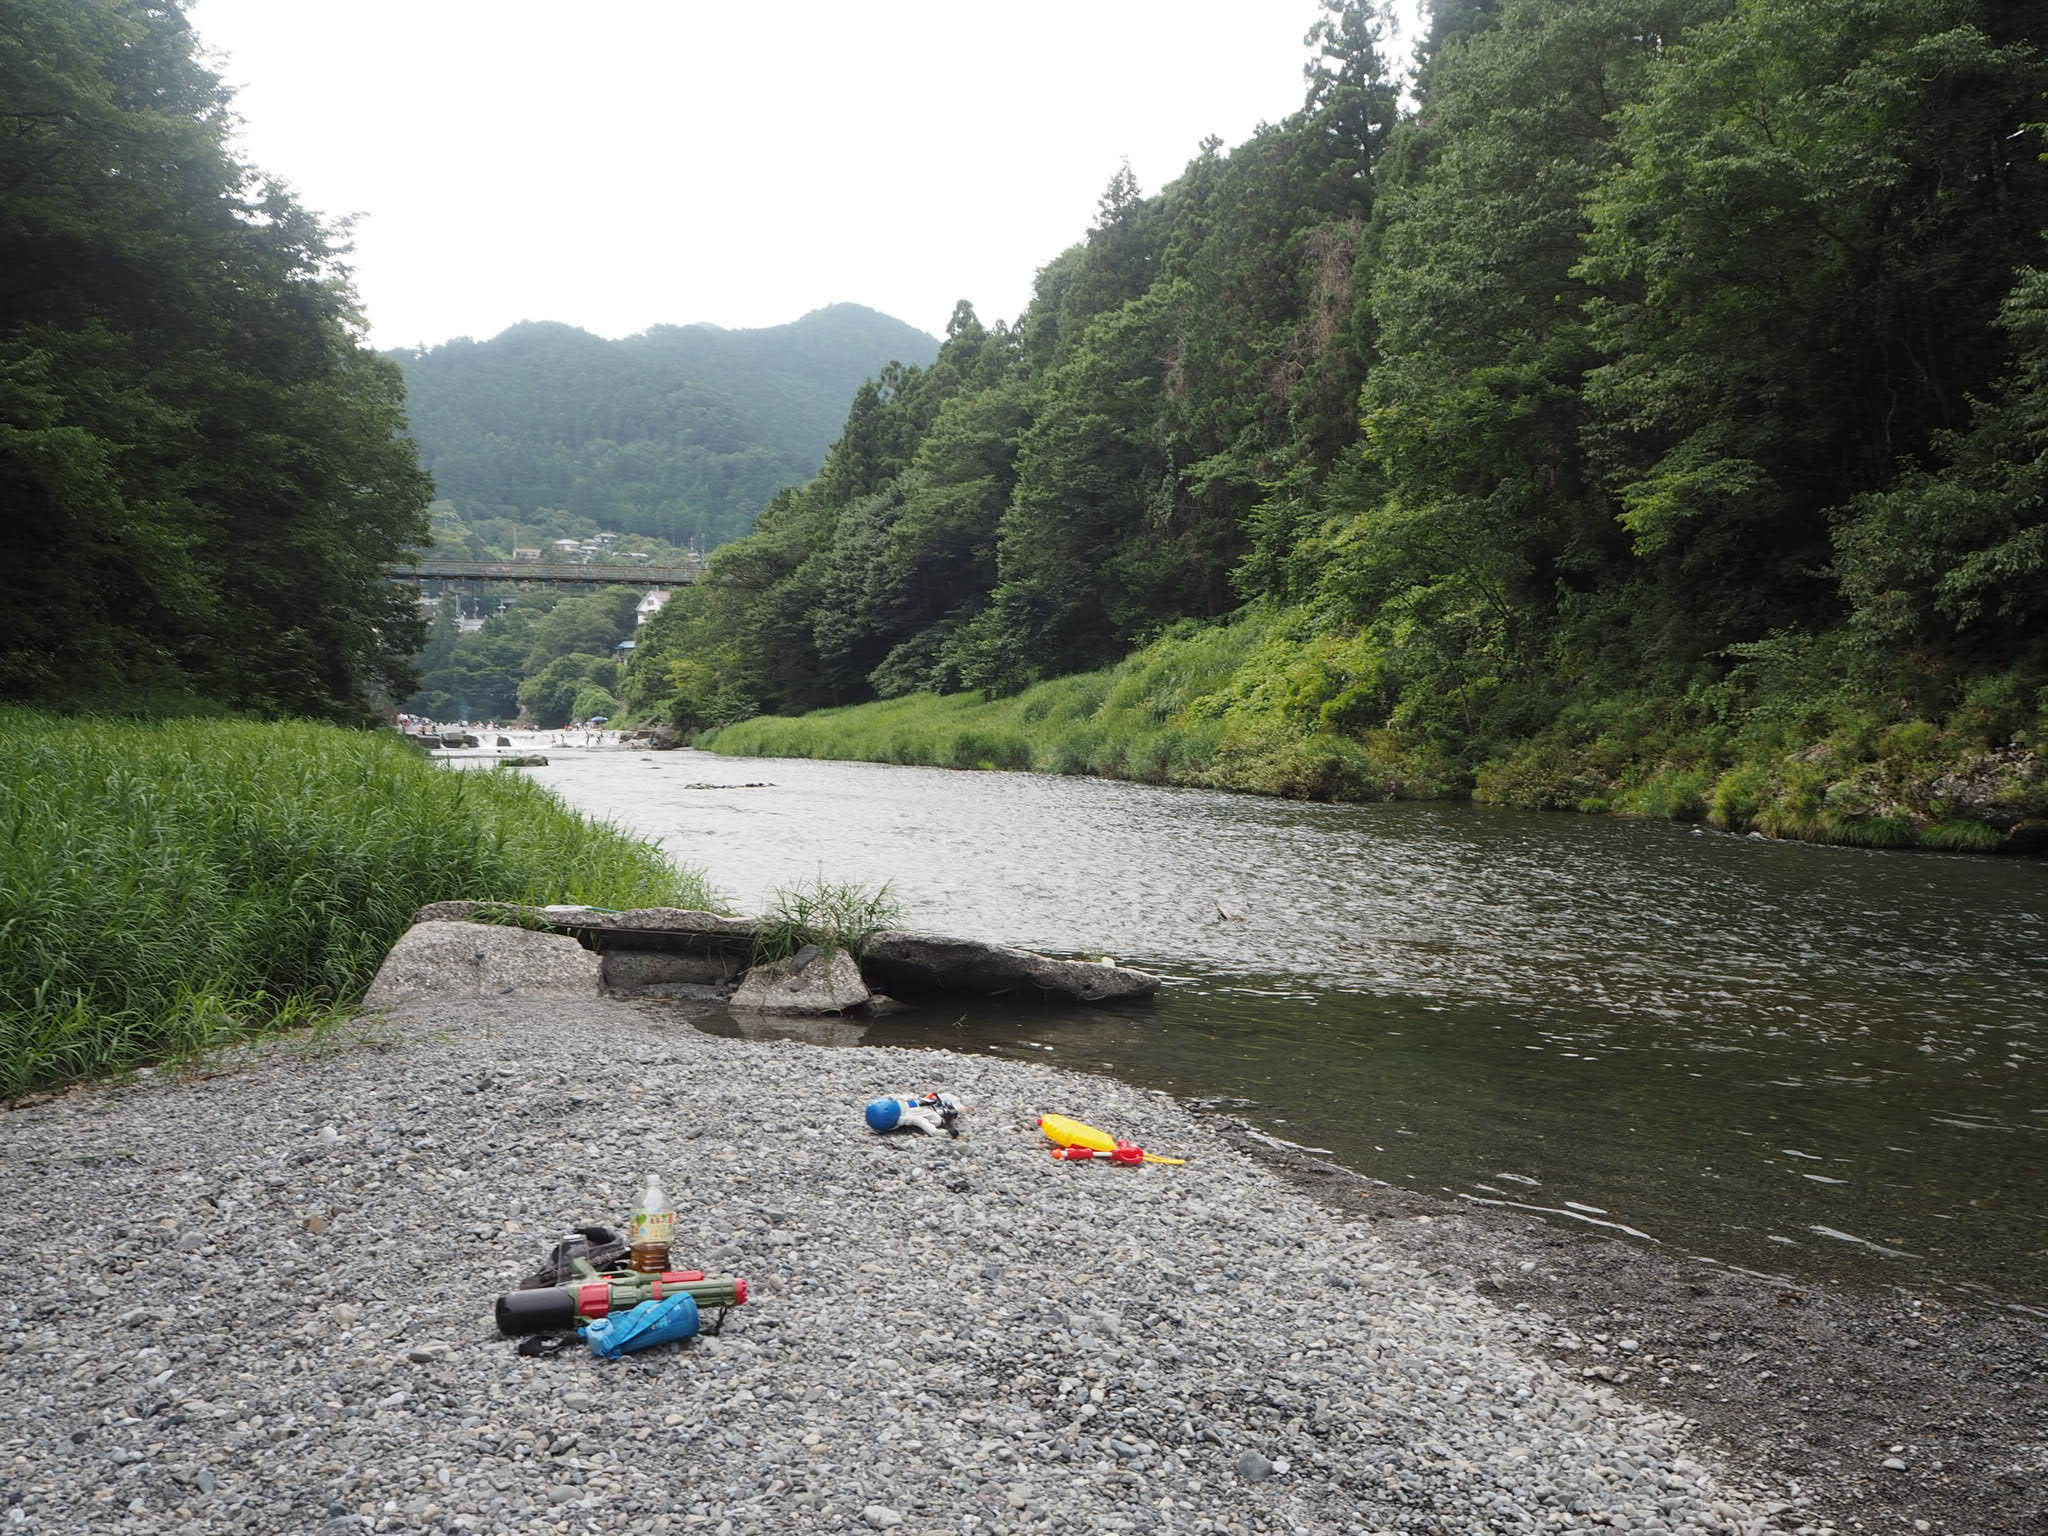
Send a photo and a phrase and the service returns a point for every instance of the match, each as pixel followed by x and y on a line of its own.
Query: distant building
pixel 650 605
pixel 525 554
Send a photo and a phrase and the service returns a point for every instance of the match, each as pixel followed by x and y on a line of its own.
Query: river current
pixel 1820 1063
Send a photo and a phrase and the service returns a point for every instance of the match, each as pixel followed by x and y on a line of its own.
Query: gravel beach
pixel 260 1300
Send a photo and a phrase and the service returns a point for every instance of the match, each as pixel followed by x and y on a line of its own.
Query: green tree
pixel 1820 206
pixel 590 625
pixel 1472 527
pixel 205 471
pixel 1953 561
pixel 551 696
pixel 593 703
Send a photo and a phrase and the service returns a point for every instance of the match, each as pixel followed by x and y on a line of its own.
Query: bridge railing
pixel 546 570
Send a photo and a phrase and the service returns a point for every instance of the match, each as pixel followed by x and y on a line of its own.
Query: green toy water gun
pixel 559 1308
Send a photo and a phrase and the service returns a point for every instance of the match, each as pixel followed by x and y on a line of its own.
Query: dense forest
pixel 1649 409
pixel 204 470
pixel 680 434
pixel 547 658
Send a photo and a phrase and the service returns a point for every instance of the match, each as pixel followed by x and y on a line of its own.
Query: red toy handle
pixel 1124 1153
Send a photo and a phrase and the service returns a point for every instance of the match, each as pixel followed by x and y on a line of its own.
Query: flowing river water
pixel 1820 1063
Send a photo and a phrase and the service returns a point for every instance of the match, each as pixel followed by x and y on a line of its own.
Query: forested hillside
pixel 1653 416
pixel 202 469
pixel 681 433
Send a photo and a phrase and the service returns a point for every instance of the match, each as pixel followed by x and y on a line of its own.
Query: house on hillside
pixel 526 554
pixel 650 605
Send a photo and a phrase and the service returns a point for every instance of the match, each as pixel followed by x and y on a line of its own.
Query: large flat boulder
pixel 905 963
pixel 923 962
pixel 670 930
pixel 462 959
pixel 674 929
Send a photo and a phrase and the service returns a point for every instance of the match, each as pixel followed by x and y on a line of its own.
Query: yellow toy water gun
pixel 1075 1142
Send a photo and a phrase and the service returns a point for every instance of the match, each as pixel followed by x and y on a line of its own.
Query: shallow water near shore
pixel 1825 1064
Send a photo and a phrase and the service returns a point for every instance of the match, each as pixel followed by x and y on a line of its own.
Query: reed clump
pixel 830 914
pixel 174 885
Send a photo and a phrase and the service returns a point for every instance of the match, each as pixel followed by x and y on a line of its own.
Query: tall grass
pixel 1193 707
pixel 829 914
pixel 168 886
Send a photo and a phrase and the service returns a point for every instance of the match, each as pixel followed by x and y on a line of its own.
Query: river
pixel 1820 1063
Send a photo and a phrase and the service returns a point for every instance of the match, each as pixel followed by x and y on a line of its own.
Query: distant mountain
pixel 681 433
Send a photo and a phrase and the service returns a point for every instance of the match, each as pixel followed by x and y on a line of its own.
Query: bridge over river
pixel 549 573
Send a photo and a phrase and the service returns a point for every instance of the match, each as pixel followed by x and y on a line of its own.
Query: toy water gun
pixel 558 1308
pixel 931 1114
pixel 1078 1143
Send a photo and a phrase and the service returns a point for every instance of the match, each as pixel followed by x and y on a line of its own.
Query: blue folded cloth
pixel 656 1322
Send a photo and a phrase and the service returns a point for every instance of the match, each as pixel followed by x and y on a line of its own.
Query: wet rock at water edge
pixel 905 964
pixel 812 980
pixel 920 962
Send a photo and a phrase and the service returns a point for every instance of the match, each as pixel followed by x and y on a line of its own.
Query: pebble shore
pixel 260 1301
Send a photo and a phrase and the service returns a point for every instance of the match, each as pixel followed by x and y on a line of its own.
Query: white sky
pixel 618 164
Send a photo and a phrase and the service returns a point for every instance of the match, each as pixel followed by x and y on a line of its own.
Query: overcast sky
pixel 618 164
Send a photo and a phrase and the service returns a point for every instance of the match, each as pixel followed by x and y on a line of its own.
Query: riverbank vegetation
pixel 551 659
pixel 1653 417
pixel 175 885
pixel 1220 707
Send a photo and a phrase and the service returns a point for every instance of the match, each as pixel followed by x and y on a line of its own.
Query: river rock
pixel 906 963
pixel 459 959
pixel 626 971
pixel 670 929
pixel 923 962
pixel 812 980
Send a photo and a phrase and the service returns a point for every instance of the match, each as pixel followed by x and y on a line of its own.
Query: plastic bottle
pixel 654 1225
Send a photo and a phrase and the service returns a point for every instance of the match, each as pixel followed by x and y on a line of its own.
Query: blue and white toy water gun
pixel 933 1113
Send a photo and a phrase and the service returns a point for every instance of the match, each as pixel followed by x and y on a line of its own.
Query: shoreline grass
pixel 1261 706
pixel 1183 710
pixel 176 885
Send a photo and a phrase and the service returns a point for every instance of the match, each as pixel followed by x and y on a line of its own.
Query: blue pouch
pixel 671 1319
